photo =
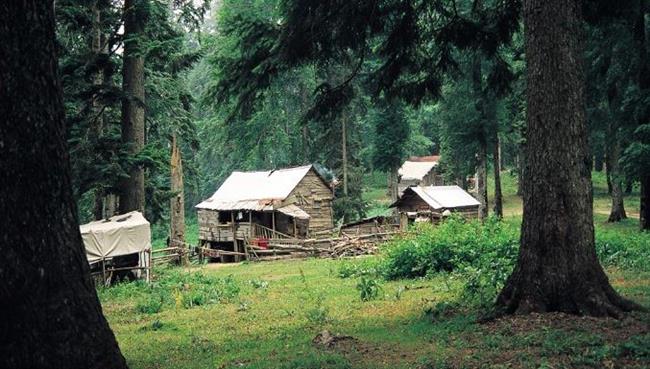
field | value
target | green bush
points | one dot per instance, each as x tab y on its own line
449	247
369	289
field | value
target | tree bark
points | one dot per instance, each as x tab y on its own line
644	209
132	195
481	182
344	151
98	47
498	196
557	267
614	175
177	211
51	316
643	78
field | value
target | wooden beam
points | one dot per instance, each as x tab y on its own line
273	220
234	234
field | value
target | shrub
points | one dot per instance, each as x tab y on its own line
449	247
369	289
319	314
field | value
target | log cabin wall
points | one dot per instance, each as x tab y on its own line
315	197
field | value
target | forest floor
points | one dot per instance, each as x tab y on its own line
282	305
266	315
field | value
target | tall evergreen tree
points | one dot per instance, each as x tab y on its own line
557	268
52	317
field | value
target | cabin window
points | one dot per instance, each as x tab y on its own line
224	217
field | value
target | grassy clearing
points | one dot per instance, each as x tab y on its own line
280	306
265	315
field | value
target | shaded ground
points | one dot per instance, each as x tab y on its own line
273	324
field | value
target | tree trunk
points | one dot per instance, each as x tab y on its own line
97	130
51	316
177	211
644	209
557	268
481	182
598	162
132	189
643	78
344	151
498	196
520	173
614	175
392	184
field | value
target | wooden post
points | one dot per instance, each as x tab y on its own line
295	228
234	234
273	219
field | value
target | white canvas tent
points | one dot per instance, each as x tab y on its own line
118	236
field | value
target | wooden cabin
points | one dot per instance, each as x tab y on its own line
249	207
419	171
432	203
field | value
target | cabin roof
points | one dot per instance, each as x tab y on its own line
418	167
441	197
256	190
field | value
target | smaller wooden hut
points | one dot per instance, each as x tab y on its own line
419	171
431	203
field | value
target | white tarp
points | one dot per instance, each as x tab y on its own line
120	235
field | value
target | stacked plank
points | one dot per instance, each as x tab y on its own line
337	247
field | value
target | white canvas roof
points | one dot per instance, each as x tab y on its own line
444	197
416	170
255	190
119	235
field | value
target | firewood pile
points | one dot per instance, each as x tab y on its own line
345	246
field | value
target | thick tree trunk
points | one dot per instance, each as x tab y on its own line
132	189
557	267
614	175
177	211
51	316
481	182
498	196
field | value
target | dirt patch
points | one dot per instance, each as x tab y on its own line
370	354
554	340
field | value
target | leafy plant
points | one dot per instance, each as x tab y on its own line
369	289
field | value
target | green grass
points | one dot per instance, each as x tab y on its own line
273	326
265	315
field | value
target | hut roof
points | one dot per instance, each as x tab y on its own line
441	197
255	190
418	167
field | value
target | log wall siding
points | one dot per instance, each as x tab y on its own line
315	197
311	194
